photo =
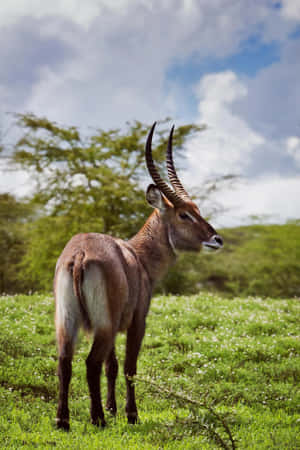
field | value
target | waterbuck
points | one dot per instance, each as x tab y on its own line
104	284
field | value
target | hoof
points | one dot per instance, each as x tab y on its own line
132	418
62	424
97	424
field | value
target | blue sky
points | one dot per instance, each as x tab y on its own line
231	64
252	57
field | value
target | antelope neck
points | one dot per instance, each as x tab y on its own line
154	246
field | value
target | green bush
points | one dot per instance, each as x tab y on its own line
256	260
268	262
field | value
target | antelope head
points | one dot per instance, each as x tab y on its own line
187	229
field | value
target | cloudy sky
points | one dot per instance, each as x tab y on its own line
231	64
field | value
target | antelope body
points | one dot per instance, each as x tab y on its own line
104	284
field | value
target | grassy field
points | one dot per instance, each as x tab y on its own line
213	373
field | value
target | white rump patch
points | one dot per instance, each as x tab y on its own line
94	290
67	316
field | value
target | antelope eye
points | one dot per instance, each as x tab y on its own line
184	216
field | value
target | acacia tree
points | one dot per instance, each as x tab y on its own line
84	182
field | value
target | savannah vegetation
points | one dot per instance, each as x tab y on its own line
218	369
213	373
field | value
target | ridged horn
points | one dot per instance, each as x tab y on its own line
173	177
160	183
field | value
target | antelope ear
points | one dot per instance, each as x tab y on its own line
155	198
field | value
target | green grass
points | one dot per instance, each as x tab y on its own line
206	361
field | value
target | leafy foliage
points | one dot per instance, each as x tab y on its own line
97	175
14	216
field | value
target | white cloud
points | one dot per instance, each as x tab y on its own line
272	105
226	146
275	199
291	9
230	145
293	148
18	183
80	12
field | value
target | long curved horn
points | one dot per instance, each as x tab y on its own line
160	183
173	177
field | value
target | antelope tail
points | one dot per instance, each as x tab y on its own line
78	273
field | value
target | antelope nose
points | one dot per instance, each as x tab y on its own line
216	240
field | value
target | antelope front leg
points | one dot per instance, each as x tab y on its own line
135	336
